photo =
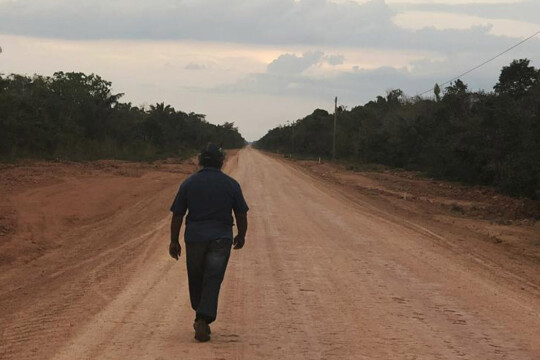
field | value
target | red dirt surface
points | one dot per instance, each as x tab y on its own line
474	201
483	211
41	202
337	265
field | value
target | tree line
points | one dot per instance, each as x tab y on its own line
74	116
489	138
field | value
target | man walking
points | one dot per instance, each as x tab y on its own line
210	197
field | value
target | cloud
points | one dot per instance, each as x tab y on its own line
359	85
335	59
288	64
194	66
292	64
352	87
273	22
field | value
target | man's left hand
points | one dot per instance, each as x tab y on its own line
238	242
175	250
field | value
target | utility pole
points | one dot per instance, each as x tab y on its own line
292	139
335	123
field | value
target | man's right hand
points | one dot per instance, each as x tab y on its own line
238	242
175	250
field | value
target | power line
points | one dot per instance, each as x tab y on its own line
484	63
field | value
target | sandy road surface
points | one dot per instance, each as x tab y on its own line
321	277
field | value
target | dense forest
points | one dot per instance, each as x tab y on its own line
489	138
74	116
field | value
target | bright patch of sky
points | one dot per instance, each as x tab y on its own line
499	27
452	2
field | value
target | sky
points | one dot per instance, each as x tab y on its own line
262	63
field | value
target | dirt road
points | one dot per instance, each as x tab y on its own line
322	276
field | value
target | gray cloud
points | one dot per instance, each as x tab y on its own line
292	64
354	87
278	22
285	77
288	64
335	59
358	86
194	66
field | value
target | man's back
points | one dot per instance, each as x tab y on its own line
209	196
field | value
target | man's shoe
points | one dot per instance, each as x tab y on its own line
202	330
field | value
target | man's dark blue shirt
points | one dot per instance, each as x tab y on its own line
209	196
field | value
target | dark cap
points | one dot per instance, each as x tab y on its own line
211	152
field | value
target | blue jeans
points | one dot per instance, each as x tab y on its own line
206	265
